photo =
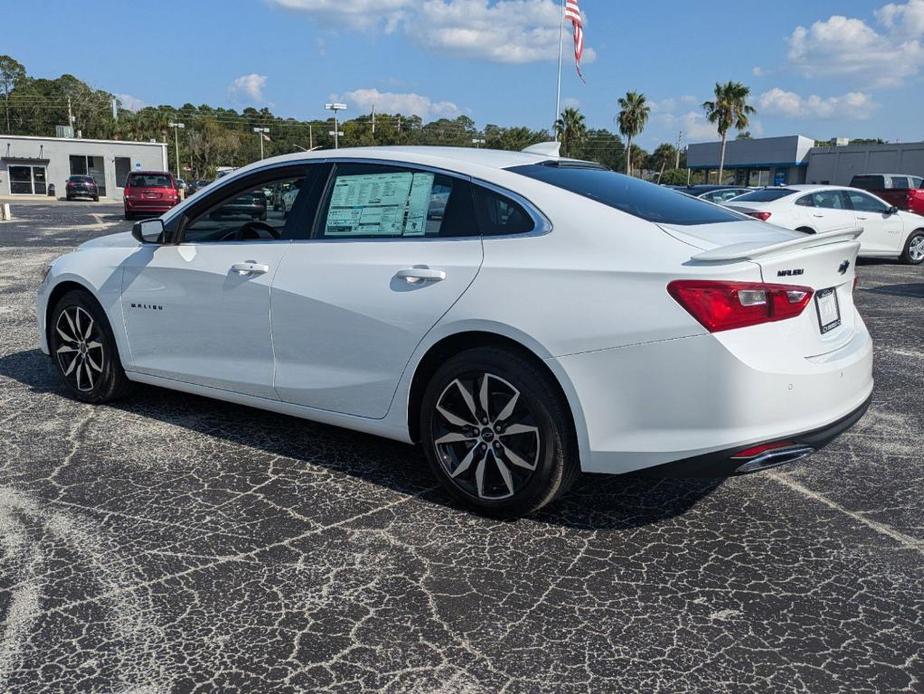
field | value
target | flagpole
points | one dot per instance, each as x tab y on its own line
561	32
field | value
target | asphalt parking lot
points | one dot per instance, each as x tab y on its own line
173	543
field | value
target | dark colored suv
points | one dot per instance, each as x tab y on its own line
149	193
904	191
81	187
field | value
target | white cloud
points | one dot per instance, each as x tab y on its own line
758	71
506	31
853	105
248	87
358	14
392	102
694	125
848	46
129	102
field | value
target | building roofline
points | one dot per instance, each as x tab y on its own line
83	139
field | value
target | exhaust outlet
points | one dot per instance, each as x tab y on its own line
769	459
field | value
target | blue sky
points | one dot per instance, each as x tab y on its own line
821	68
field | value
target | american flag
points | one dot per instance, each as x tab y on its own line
573	15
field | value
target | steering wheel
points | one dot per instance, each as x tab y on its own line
252	230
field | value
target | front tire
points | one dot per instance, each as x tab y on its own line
496	433
913	254
84	350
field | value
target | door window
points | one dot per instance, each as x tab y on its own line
806	201
123	167
900	182
830	199
27	180
370	201
267	209
862	202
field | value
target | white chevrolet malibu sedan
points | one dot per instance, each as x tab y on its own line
887	231
523	317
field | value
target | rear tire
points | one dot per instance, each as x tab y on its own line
497	434
84	351
913	254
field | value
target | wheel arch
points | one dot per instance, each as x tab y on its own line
450	345
58	291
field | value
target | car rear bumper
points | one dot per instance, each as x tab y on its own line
726	463
144	206
690	401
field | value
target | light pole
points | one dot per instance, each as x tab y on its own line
261	133
176	141
336	133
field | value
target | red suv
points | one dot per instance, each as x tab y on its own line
150	193
902	190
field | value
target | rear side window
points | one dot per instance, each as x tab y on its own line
900	182
766	195
831	200
369	201
630	195
806	201
868	182
137	180
498	215
917	182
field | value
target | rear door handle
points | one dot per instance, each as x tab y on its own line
249	267
863	218
817	215
420	273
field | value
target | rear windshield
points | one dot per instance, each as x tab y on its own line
150	181
630	195
81	179
868	182
766	195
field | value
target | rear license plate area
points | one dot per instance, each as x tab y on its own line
828	309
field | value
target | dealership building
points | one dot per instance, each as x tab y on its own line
795	159
29	166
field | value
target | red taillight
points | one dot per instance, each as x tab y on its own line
762	216
722	306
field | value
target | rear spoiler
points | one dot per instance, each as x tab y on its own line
750	251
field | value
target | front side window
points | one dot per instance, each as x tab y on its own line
866	203
268	209
830	199
371	201
630	195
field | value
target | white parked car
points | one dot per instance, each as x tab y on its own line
522	316
887	231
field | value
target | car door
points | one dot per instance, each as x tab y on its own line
882	230
830	210
198	310
394	247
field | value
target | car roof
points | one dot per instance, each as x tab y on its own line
466	160
152	173
887	174
815	186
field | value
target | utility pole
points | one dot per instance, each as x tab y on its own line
261	134
336	132
373	121
176	141
310	138
115	109
70	113
679	147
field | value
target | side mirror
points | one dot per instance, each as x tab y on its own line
149	231
892	210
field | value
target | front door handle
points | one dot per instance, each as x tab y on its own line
420	273
863	218
249	267
817	215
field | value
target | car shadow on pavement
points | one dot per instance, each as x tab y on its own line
596	502
914	290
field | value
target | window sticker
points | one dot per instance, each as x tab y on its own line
392	204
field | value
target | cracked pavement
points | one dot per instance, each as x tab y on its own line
173	543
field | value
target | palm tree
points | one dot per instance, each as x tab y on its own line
633	114
730	109
570	129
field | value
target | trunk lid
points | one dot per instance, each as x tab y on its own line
824	262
